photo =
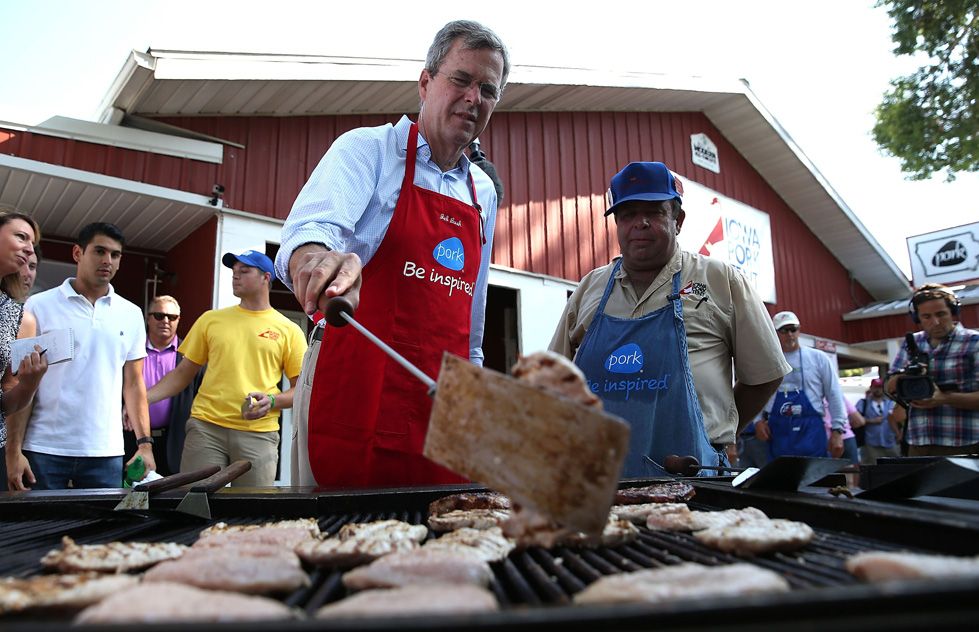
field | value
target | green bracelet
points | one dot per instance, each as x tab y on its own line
271	399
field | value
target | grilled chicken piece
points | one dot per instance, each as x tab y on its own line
672	492
639	514
754	537
880	566
61	591
682	581
556	374
489	545
700	520
360	543
286	533
467	501
176	602
114	557
225	568
472	518
421	566
410	600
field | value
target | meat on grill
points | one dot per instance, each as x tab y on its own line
421	566
227	568
61	591
639	514
359	543
286	533
471	518
489	545
410	600
556	374
467	501
880	566
531	529
672	492
754	537
616	532
114	557
688	580
166	602
700	520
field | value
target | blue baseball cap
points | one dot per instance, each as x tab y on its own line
648	181
251	258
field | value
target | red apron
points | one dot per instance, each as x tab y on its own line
368	416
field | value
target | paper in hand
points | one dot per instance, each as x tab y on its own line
58	344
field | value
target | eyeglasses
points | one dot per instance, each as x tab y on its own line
162	315
788	329
462	81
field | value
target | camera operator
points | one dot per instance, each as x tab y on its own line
948	354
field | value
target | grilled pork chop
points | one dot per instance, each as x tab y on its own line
409	600
672	492
421	566
556	374
700	520
639	514
753	537
61	591
114	557
176	602
489	545
359	543
286	533
467	501
226	568
472	518
682	581
532	529
879	566
616	532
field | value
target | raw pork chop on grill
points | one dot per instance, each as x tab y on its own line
880	566
753	537
682	581
61	591
700	520
286	533
166	602
363	542
672	492
228	568
421	566
489	545
411	600
114	557
468	501
556	374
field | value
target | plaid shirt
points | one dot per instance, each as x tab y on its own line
954	361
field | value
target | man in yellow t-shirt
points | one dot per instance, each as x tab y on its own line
246	348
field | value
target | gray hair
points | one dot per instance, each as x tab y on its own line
474	36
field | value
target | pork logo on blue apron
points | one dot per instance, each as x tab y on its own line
626	359
450	254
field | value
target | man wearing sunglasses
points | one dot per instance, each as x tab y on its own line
794	416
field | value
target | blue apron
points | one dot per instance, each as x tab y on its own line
797	428
640	370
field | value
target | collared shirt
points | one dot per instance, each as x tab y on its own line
724	317
881	435
954	361
821	382
158	363
349	200
78	406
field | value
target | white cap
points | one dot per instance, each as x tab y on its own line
782	319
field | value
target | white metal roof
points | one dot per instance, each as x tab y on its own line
188	83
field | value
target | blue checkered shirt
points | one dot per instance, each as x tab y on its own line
349	200
954	361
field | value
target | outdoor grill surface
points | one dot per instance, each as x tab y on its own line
535	586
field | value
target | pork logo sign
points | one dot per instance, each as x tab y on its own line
947	256
626	359
450	254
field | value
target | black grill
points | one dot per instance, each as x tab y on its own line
535	586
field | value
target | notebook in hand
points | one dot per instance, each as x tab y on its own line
58	346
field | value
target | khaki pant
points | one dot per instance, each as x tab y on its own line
210	444
302	473
870	453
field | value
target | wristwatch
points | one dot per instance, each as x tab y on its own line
144	440
838	430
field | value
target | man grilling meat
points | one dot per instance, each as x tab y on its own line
398	220
656	330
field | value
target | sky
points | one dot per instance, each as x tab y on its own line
820	68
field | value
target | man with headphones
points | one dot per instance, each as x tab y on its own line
947	422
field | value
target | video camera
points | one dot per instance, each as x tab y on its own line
913	381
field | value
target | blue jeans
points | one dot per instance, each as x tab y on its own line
85	472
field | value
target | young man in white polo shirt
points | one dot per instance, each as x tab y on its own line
73	431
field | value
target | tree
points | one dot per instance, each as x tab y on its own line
930	119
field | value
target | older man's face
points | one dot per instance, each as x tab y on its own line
788	337
647	234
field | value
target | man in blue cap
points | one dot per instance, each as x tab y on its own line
247	348
658	331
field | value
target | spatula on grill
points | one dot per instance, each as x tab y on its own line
548	454
138	498
196	503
